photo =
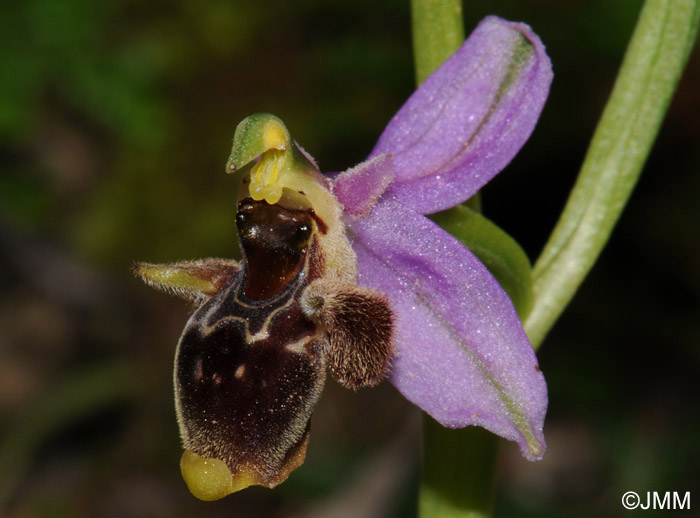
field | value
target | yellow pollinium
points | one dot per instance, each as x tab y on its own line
267	177
210	479
278	168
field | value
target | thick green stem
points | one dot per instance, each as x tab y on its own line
651	68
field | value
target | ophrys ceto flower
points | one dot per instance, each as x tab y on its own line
346	272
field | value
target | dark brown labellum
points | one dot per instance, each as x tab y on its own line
251	362
249	366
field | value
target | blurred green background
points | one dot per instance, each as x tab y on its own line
116	119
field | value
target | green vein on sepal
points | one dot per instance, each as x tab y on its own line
515	415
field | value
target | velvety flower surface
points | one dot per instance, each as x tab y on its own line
461	352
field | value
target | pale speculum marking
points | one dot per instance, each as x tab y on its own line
298	347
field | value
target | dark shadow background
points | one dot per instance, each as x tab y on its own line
116	119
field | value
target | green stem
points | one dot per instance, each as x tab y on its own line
651	69
438	31
458	472
458	467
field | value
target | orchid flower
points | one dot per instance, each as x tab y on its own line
462	355
346	272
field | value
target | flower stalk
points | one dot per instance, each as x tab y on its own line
652	66
438	31
456	461
458	467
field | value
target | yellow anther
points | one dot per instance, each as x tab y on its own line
275	135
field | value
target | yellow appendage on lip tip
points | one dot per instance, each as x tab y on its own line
210	479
